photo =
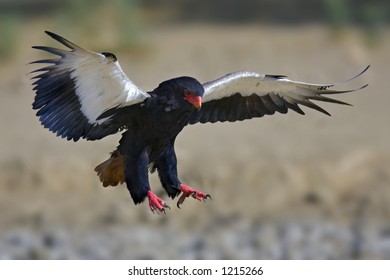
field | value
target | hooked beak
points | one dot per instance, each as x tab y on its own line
195	100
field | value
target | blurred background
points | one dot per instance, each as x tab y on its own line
283	187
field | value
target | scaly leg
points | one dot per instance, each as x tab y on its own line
156	203
187	191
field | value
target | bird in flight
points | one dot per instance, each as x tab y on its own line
85	94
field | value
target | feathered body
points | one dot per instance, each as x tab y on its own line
84	94
152	127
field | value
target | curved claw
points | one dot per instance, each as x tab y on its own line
187	191
206	197
156	203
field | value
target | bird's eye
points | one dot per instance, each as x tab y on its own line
187	92
188	95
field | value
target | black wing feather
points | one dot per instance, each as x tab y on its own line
250	98
69	100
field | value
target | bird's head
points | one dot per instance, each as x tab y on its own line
193	98
186	88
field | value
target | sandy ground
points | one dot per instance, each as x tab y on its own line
285	186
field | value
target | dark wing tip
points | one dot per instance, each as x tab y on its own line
62	40
50	50
365	69
51	34
358	75
57	37
55	51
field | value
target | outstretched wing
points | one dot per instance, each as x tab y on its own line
77	87
245	95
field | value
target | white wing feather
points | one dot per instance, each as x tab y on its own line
100	81
248	83
78	87
245	95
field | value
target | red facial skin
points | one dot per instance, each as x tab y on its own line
158	205
195	100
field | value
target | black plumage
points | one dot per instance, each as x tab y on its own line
83	94
151	133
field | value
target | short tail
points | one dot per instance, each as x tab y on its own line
112	171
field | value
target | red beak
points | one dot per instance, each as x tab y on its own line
195	100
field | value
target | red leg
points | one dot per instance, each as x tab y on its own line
156	203
187	191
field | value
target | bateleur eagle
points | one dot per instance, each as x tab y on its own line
84	94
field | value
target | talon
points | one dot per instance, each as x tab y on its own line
181	200
156	204
187	191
